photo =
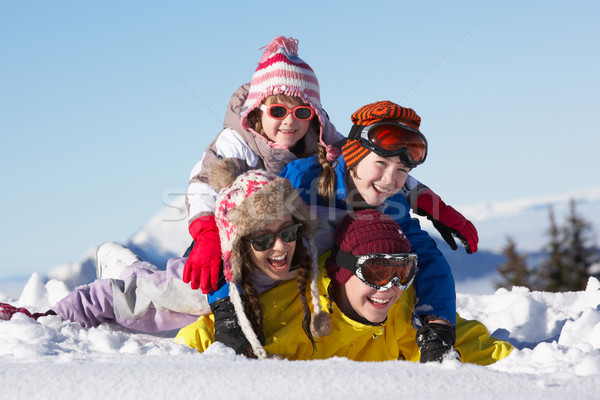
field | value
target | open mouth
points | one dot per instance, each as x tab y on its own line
381	189
278	263
378	302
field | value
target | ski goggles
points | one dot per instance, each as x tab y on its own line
390	139
267	240
381	271
279	111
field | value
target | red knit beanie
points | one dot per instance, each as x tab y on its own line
365	232
370	114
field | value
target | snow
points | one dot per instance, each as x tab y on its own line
557	354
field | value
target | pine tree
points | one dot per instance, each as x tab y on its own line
571	254
514	271
581	252
553	273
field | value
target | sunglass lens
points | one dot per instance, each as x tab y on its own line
290	233
303	113
278	112
263	242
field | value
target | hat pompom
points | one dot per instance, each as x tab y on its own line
223	174
320	324
289	44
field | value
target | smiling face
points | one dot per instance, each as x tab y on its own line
287	131
363	303
276	261
377	178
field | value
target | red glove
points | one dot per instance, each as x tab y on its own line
7	311
203	264
447	221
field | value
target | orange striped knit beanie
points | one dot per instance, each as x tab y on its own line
370	114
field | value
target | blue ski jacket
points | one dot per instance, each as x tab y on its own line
434	284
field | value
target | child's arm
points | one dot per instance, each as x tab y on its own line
449	222
434	284
203	264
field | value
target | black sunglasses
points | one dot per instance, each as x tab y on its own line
267	240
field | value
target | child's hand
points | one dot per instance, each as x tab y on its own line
203	264
436	341
447	221
468	237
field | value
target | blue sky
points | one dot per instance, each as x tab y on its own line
106	106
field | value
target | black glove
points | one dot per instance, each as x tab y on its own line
436	341
227	328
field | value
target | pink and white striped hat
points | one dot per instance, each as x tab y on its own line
281	71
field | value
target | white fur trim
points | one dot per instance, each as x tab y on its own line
245	324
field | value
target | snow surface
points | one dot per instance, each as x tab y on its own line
557	339
557	335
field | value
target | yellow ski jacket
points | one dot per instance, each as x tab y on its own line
391	340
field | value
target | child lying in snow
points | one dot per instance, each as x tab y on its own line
366	288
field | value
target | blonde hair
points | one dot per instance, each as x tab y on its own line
326	183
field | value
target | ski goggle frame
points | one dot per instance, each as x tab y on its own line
380	271
280	111
390	139
267	240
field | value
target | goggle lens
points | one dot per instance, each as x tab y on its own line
393	138
280	111
380	272
266	241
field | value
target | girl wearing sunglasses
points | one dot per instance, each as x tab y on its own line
275	119
383	146
365	285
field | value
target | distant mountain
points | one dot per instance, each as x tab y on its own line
525	220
